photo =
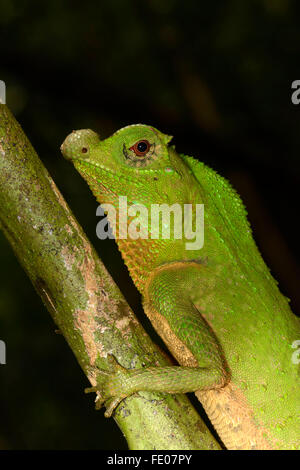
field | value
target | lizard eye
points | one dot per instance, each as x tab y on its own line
140	148
84	150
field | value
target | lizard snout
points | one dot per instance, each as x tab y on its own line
77	144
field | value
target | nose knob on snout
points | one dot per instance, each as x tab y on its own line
77	144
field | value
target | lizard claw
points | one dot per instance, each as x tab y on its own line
111	406
105	393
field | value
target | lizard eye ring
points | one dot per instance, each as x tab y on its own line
141	148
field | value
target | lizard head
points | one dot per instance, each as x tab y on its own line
135	162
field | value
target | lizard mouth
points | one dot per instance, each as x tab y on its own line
81	165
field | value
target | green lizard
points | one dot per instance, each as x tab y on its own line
217	308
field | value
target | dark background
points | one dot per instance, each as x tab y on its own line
217	76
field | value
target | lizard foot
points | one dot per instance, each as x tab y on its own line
111	387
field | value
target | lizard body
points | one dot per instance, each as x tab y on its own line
217	308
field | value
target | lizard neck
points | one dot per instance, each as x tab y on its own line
144	253
141	258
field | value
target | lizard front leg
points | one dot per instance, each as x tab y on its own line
187	335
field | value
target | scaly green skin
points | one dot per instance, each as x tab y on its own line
218	309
